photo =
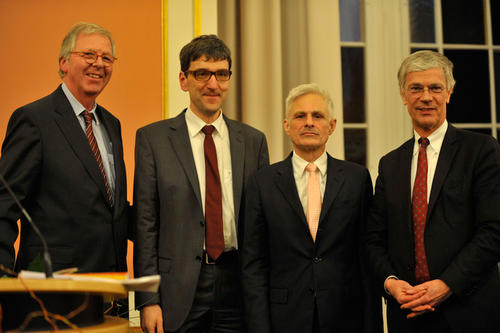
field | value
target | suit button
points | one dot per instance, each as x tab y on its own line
317	259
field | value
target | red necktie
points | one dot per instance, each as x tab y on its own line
95	149
214	235
419	204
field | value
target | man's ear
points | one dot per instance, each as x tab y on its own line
183	81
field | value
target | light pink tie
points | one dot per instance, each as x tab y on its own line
313	199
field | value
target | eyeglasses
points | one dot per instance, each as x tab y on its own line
205	75
419	90
91	57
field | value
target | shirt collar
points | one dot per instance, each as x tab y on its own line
435	139
300	164
195	124
78	108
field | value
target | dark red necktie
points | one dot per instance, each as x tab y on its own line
214	235
419	204
95	149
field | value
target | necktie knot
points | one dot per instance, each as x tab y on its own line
424	142
88	117
311	167
208	129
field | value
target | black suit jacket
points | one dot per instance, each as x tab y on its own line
462	233
168	210
48	162
285	273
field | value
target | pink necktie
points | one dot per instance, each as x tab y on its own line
95	150
419	204
214	234
313	199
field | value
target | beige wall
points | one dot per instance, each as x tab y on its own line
31	32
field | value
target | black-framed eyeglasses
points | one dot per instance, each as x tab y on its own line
205	75
91	57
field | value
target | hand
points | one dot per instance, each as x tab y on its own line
402	291
436	292
152	319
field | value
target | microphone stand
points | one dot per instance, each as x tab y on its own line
46	255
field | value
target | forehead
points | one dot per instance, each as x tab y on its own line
206	63
95	42
429	76
309	102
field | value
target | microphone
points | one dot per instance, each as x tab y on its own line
47	262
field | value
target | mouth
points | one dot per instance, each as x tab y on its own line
94	75
426	109
309	133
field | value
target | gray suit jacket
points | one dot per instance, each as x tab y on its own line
169	219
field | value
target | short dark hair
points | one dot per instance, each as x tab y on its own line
209	46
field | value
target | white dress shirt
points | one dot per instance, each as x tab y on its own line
222	146
301	176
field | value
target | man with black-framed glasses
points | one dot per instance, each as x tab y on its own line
63	157
190	178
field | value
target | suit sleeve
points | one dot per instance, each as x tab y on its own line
146	219
263	153
20	166
482	252
255	263
376	234
372	310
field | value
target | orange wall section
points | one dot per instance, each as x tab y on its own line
31	33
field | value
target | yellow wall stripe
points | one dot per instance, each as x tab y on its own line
197	17
164	56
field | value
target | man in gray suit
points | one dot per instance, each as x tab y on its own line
190	177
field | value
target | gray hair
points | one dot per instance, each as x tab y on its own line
86	28
423	60
309	88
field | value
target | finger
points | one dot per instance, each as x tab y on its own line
425	307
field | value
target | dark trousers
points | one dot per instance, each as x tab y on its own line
217	305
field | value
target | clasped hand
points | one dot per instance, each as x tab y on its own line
418	299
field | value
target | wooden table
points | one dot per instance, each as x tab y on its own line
61	297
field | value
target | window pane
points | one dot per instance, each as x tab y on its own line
463	22
496	59
470	101
480	130
355	145
495	24
350	20
422	21
353	84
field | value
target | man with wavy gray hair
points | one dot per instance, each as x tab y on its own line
303	269
63	158
433	236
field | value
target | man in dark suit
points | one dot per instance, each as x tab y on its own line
190	178
304	216
433	236
74	189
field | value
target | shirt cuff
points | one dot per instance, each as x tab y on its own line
389	277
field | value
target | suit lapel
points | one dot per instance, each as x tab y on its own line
179	137
286	184
116	143
334	180
237	148
71	129
446	155
403	176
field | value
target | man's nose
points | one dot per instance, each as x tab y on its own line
309	120
426	95
212	82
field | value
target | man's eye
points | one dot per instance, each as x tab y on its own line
201	74
436	89
222	73
89	55
107	58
